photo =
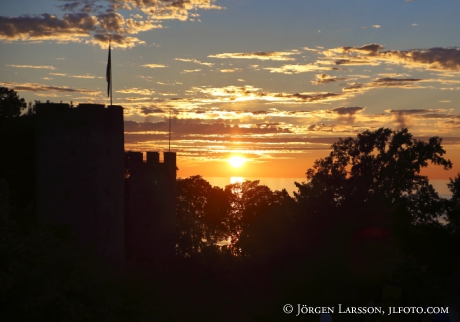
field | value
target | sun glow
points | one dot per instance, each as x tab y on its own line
236	161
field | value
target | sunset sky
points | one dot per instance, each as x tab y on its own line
274	82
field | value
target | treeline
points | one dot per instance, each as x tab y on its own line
365	219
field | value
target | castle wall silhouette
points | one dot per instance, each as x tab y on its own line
80	182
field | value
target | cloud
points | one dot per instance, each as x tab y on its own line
71	27
87	76
245	93
136	90
167	9
395	82
356	62
370	49
32	66
186	71
346	115
137	98
230	70
195	61
403	117
154	65
96	23
189	127
392	75
35	87
296	69
387	82
261	55
376	26
348	110
325	79
441	59
438	59
151	110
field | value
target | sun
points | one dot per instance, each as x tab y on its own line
236	161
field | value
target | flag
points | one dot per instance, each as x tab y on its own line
108	74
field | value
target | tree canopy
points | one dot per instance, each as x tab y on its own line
10	103
378	167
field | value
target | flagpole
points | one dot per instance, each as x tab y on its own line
108	75
111	92
169	150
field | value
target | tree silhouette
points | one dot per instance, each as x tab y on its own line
17	146
367	209
10	103
201	215
383	165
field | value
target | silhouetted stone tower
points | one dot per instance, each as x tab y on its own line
151	207
80	173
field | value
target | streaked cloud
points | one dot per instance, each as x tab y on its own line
394	82
190	127
186	71
230	70
195	61
297	69
154	65
35	87
438	59
87	76
245	93
261	55
135	90
32	66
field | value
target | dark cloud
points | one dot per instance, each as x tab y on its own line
353	87
97	24
348	110
186	127
34	87
371	49
355	62
70	27
438	58
346	115
404	117
313	97
325	79
78	6
433	58
394	82
151	110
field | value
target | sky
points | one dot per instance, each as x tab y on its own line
274	82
